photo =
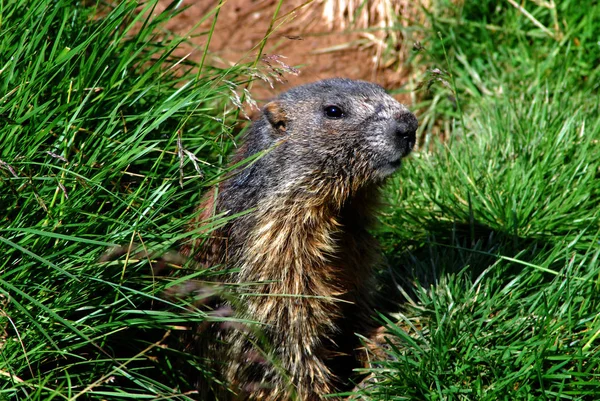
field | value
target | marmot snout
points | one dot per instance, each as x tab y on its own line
328	146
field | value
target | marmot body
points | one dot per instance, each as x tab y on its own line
328	146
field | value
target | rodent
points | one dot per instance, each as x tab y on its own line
328	148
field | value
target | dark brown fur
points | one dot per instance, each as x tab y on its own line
305	242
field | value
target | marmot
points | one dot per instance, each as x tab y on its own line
328	147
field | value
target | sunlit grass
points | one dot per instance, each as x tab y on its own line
107	138
493	228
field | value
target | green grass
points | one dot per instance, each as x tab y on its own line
99	125
492	228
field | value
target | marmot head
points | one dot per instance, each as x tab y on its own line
343	130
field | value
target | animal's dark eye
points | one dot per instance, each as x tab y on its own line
334	112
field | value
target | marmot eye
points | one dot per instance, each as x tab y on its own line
334	112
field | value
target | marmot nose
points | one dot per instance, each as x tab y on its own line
407	125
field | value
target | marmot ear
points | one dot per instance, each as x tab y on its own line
276	116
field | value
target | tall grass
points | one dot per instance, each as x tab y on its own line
107	137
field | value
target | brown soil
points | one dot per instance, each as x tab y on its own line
301	35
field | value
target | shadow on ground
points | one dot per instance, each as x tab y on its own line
447	249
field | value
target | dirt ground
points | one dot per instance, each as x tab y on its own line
301	35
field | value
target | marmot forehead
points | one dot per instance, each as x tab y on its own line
333	86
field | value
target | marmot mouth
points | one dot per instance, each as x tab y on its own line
409	141
404	145
388	167
396	163
393	163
